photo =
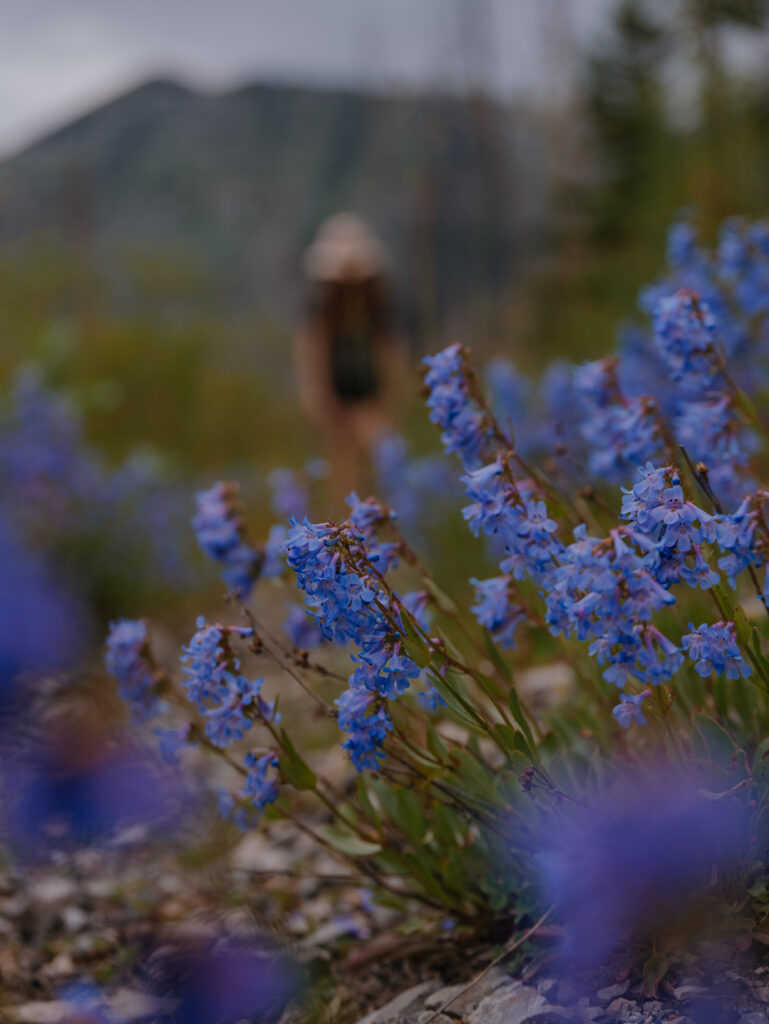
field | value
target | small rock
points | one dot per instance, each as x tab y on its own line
734	976
590	1012
132	835
255	853
127	1005
15	906
510	1004
606	995
100	888
327	934
684	992
398	1006
429	1015
462	1004
442	995
654	1007
756	1017
74	919
622	1010
62	966
39	1012
53	889
762	993
569	992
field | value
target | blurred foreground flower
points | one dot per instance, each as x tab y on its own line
634	862
42	624
65	784
227	982
216	982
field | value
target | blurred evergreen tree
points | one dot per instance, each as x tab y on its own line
626	99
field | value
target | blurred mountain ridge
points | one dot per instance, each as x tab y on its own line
237	183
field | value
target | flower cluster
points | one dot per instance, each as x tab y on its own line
684	335
351	605
412	485
674	530
466	428
620	432
213	681
496	611
127	658
367	727
85	518
218	524
670	528
300	629
602	591
260	786
715	649
514	512
737	537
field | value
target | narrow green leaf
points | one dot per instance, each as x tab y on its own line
654	970
496	656
347	843
416	648
442	599
294	768
720	746
518	715
365	800
436	746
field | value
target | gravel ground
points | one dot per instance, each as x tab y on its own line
119	914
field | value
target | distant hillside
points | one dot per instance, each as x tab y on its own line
241	180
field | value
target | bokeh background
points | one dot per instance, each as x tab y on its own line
164	166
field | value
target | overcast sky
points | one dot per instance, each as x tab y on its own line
60	57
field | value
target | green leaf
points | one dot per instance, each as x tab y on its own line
295	769
496	656
347	843
442	599
654	970
518	715
447	689
436	746
411	816
724	602
365	800
762	664
416	648
478	780
719	744
761	774
721	697
707	795
507	737
453	872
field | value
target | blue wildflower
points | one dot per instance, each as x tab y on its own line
220	530
260	787
300	629
684	335
714	649
629	709
215	685
128	659
496	611
367	731
465	427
